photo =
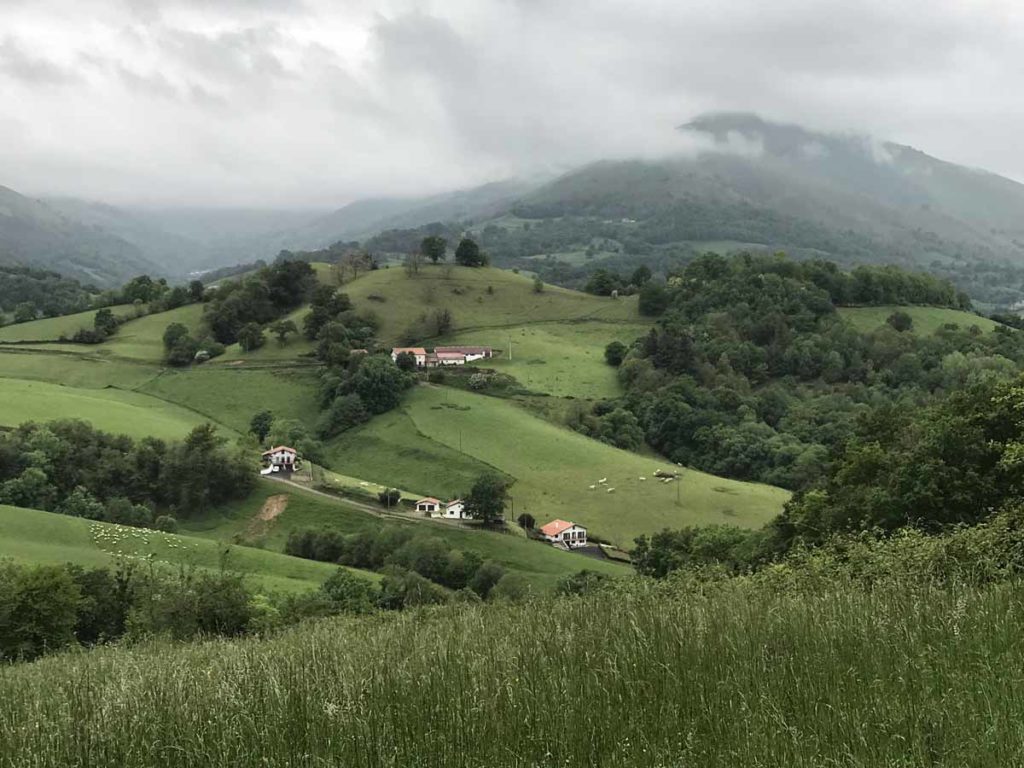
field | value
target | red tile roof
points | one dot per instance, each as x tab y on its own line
429	500
411	350
279	448
555	527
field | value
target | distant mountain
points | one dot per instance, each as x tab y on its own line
364	218
783	187
35	234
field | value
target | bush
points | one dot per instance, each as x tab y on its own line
389	497
615	353
166	523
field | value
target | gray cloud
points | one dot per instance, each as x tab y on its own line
317	102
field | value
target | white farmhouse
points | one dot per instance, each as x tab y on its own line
563	533
429	506
281	458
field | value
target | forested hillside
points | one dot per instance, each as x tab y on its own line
754	372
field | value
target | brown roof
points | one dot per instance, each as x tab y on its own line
412	350
555	527
279	448
450	355
429	500
463	350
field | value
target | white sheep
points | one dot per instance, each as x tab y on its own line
642	477
603	480
611	490
593	487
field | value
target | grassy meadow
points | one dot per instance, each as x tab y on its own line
112	410
399	300
554	468
52	328
640	677
31	536
927	320
560	359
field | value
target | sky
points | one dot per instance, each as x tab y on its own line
313	103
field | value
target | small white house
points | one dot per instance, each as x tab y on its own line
564	533
429	506
418	352
455	510
281	458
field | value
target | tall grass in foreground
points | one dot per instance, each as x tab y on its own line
641	677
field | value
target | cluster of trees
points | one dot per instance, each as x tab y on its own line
395	549
104	325
270	430
257	300
350	394
44	609
751	373
605	282
28	293
181	348
73	469
336	327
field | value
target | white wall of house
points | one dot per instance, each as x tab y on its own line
428	507
576	536
281	457
455	511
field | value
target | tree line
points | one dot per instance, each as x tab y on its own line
71	468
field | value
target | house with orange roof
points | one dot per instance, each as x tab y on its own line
563	533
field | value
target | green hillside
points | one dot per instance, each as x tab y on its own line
541	565
927	320
561	359
29	535
399	300
52	328
111	410
554	468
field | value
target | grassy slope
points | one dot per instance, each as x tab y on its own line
640	678
927	320
561	359
52	328
554	468
112	410
231	396
540	564
142	339
512	303
43	537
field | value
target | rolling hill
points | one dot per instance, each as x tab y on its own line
557	471
29	535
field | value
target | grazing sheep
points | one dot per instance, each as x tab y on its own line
593	487
643	478
603	480
611	490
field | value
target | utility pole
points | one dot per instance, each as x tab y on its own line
510	349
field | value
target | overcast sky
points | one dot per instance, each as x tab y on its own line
316	102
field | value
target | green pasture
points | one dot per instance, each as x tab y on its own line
927	320
561	359
32	536
52	328
554	468
111	410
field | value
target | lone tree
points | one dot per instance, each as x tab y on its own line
468	254
486	501
614	353
261	424
282	328
434	248
900	320
251	337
